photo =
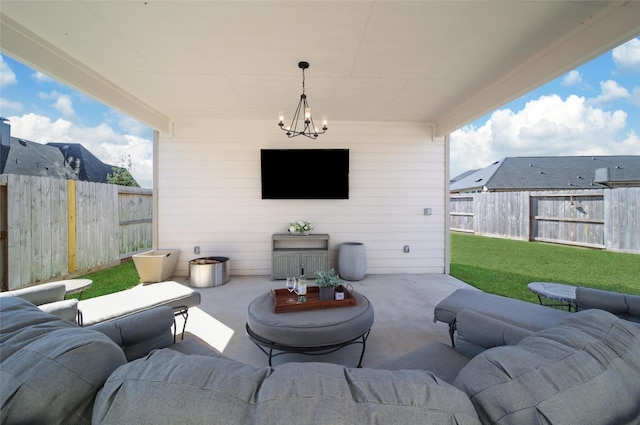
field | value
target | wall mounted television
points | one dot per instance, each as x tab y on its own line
305	173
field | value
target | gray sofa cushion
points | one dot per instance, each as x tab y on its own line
49	297
140	333
197	389
39	294
478	332
50	369
625	306
586	370
434	356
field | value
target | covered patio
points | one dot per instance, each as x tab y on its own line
403	305
394	78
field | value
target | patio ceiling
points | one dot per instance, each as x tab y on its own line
439	62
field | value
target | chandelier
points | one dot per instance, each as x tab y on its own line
307	127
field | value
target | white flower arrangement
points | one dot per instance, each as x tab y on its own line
300	227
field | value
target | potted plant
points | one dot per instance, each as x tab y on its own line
327	281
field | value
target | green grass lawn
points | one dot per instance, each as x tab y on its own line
110	280
504	266
497	266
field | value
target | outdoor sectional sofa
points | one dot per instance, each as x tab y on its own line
584	369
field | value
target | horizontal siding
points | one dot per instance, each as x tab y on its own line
209	195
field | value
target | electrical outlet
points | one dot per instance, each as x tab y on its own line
427	211
406	248
196	250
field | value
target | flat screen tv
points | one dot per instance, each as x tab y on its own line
305	173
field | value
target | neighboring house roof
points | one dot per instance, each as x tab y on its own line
87	166
33	159
552	173
60	160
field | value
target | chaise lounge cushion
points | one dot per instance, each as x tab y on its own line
213	390
560	375
50	369
132	301
532	317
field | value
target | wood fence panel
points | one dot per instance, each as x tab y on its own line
574	217
135	212
598	218
502	214
461	213
622	219
37	226
97	224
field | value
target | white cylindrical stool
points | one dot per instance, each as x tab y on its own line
352	261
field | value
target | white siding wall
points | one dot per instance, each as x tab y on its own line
209	194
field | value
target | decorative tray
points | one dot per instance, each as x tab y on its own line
285	301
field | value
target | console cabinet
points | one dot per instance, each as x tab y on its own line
291	253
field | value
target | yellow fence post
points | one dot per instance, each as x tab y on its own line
71	212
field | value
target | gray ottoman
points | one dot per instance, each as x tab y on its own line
308	332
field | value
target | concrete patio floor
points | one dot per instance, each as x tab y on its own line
403	306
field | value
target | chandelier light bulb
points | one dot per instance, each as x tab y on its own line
307	114
281	117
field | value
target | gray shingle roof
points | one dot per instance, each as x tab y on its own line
33	159
552	173
59	160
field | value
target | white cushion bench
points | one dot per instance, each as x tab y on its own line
139	298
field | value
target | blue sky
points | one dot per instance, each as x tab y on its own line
42	110
592	110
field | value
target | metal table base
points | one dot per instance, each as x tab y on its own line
268	347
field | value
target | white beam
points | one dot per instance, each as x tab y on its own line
32	50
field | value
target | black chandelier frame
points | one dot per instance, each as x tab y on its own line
307	128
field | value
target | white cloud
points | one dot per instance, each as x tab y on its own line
611	91
572	78
41	78
627	56
545	126
131	126
102	141
635	96
7	76
52	95
6	104
64	105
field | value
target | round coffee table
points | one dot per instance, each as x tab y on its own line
73	286
563	293
311	332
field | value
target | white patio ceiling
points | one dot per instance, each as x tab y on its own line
439	62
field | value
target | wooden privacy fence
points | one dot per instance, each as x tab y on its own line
53	228
599	218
